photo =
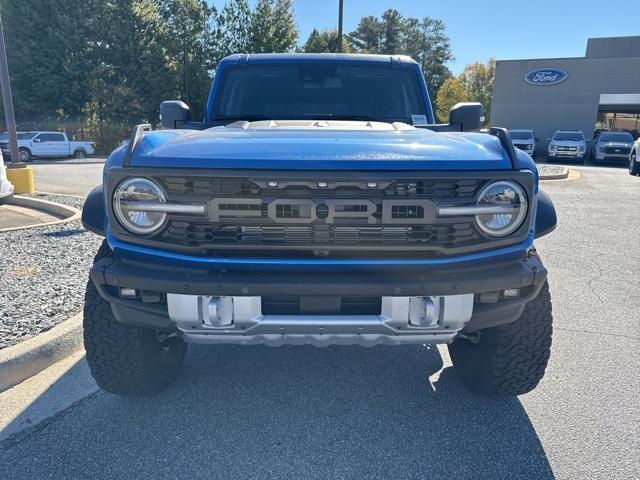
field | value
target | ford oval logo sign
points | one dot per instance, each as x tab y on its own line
546	76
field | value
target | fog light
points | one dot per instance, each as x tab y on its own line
424	311
216	311
128	292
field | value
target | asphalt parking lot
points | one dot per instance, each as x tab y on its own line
392	412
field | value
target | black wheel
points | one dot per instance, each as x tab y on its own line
510	359
127	360
25	155
634	166
80	154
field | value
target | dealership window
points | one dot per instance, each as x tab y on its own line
625	121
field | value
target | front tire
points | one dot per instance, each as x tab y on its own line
127	360
25	155
508	360
634	166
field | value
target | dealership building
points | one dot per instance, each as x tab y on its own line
598	91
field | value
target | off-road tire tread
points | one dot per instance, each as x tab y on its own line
510	359
118	355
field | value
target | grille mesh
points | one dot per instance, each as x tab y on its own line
249	225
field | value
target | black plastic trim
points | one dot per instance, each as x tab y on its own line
546	218
505	140
454	281
94	213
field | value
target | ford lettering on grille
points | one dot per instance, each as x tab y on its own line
305	211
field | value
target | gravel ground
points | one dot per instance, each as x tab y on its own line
42	282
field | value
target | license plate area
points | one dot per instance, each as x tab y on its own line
321	305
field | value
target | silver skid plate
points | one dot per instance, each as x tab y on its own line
239	320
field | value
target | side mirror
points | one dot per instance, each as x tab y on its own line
536	139
174	114
548	139
467	117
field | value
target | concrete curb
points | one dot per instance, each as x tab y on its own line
554	176
68	213
26	359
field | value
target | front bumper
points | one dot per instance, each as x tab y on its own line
161	287
566	155
607	157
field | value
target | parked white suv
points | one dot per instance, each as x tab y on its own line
524	139
567	145
48	144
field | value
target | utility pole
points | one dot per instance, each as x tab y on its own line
7	101
340	10
18	173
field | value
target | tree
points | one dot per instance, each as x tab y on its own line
428	44
477	79
323	41
50	54
366	38
188	22
393	29
451	92
231	29
272	27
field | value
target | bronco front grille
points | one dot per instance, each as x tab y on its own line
324	214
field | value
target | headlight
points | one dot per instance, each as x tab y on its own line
510	204
581	149
139	192
552	147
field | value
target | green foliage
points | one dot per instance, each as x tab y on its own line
477	79
272	27
367	37
323	41
451	92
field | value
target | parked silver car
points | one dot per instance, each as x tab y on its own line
612	146
524	139
567	145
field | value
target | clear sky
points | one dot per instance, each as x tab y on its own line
503	29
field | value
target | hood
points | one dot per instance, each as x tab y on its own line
320	145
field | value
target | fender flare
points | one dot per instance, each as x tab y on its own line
546	218
94	214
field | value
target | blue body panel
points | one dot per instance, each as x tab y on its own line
320	149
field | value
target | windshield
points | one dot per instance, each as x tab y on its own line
521	135
26	135
316	90
568	137
616	137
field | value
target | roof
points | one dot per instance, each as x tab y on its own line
316	57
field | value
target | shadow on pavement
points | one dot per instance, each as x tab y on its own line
292	412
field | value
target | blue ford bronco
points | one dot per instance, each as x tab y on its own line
317	202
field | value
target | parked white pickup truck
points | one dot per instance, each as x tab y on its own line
47	144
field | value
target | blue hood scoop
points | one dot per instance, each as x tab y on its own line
320	145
